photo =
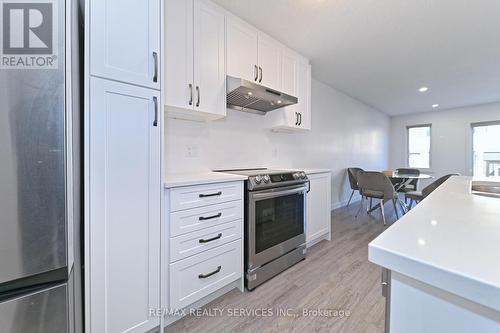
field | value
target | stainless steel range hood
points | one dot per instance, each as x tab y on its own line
248	96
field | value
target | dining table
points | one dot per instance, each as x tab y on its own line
400	181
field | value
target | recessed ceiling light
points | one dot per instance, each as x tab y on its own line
435	106
423	89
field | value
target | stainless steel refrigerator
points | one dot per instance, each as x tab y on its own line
40	176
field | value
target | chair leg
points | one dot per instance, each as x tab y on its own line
403	209
382	209
360	207
369	209
350	198
395	208
411	203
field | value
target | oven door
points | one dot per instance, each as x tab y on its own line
276	223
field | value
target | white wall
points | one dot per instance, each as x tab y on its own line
451	137
345	132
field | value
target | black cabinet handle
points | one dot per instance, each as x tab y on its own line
155	59
191	94
204	276
260	69
202	241
300	118
210	195
256	72
203	218
155	101
198	91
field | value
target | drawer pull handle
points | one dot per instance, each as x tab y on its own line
210	195
204	218
204	276
211	239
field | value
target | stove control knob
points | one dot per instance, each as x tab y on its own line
266	179
296	176
303	175
258	179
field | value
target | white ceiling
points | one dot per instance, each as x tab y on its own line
382	51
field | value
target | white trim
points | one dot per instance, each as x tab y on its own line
86	172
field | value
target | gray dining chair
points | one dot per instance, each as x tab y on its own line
417	196
353	181
375	185
412	186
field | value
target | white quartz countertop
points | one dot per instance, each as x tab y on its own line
313	171
451	240
198	178
308	171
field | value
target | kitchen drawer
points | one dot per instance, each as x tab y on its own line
198	276
203	195
190	220
195	242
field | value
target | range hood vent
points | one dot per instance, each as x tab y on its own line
248	96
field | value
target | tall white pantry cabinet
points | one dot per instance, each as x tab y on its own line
123	131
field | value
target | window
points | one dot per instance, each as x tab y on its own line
486	149
419	146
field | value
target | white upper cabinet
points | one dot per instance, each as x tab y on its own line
179	52
134	59
241	41
289	73
252	55
195	76
124	207
303	107
296	81
209	59
269	62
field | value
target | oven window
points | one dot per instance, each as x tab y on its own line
277	220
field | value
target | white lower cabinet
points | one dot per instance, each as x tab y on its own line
199	241
203	252
124	192
318	225
198	276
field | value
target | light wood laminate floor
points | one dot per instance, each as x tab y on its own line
335	276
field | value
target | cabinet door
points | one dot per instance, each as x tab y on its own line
269	62
124	204
209	59
318	206
241	50
289	86
179	86
304	94
289	74
125	41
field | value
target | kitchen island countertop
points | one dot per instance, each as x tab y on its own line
451	240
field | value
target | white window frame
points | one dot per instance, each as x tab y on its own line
408	144
471	149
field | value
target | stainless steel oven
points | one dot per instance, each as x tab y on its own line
275	223
275	214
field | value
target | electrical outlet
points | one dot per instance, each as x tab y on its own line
191	151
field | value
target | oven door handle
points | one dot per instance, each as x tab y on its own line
280	193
